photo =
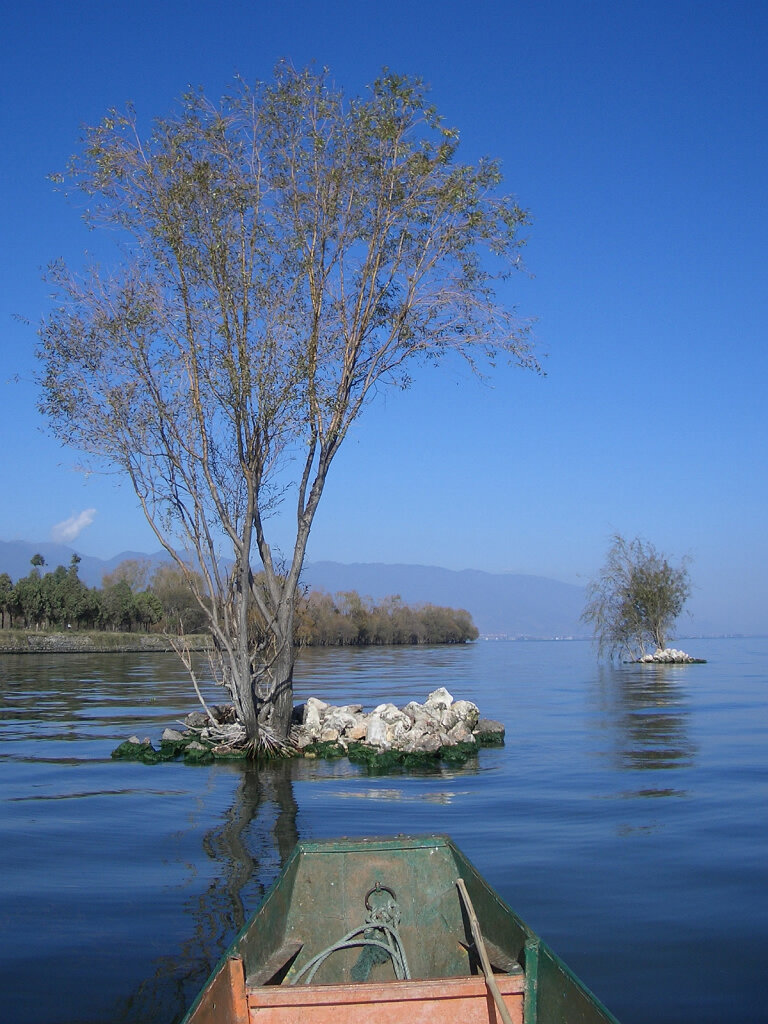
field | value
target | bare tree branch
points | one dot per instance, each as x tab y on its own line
285	253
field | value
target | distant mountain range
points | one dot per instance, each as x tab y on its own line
15	557
501	604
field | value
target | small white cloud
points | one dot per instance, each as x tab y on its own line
66	531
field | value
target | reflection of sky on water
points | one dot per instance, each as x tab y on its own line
573	821
249	842
435	797
644	711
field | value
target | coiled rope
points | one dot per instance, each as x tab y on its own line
379	937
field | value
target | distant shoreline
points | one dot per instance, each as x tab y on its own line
24	641
28	641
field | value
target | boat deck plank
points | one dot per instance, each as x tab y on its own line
423	1001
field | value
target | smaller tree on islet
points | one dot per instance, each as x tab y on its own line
636	599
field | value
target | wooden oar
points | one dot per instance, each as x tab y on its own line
477	935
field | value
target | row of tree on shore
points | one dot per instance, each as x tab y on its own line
138	596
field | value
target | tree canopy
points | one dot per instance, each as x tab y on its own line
636	598
286	252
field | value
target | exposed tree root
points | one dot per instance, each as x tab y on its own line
269	745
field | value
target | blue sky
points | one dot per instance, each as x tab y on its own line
637	135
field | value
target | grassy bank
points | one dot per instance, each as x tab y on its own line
22	641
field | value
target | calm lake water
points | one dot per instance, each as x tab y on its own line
625	820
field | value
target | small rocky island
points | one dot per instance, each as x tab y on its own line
669	656
386	738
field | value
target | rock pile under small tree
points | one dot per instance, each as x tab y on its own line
669	656
418	734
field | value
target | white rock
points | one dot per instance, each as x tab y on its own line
389	712
314	702
460	733
398	729
448	718
339	719
312	718
440	698
376	731
467	711
422	743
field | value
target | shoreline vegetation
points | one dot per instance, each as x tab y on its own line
23	641
155	609
426	625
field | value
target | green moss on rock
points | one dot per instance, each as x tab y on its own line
376	760
196	753
421	761
489	739
131	751
225	753
171	749
458	754
328	750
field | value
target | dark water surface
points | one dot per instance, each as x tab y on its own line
625	820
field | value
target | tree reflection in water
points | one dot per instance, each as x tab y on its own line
250	844
647	709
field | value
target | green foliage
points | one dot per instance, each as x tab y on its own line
118	609
29	601
636	599
6	597
148	608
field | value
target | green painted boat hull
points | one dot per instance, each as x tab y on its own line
324	889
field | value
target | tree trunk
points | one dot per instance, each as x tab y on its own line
264	696
276	682
277	709
247	711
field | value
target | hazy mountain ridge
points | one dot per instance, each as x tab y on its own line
15	557
504	604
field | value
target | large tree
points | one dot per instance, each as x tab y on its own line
6	598
635	599
286	252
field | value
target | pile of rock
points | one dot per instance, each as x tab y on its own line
669	656
426	728
382	739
